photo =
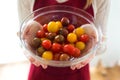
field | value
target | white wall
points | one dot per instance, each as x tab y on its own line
113	43
9	44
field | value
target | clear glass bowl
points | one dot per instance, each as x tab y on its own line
77	17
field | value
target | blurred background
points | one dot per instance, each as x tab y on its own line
112	54
10	51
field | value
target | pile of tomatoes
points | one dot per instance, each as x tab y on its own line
60	40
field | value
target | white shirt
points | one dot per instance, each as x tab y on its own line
100	7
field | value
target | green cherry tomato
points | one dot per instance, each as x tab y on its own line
59	39
40	51
36	42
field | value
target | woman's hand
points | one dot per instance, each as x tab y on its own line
92	32
37	63
28	35
102	46
77	66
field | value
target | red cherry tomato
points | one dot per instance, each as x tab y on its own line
56	56
71	28
40	34
46	44
45	27
77	53
84	38
68	48
56	47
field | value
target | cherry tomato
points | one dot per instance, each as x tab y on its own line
40	34
80	45
52	27
63	32
45	27
70	28
68	48
56	56
71	37
59	39
65	21
59	24
46	44
64	57
84	38
51	36
36	43
56	47
42	39
47	55
77	53
79	31
40	51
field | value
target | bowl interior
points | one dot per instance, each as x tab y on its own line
44	15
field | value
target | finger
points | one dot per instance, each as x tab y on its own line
37	64
44	66
79	66
104	38
24	35
73	67
31	59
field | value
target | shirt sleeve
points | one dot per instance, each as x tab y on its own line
24	8
101	14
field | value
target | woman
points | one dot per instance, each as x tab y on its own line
99	9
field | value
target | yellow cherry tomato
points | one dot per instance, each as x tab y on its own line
47	55
52	27
79	31
80	45
59	24
72	37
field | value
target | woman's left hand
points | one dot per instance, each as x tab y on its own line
77	66
90	30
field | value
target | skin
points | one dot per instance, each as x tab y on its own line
28	35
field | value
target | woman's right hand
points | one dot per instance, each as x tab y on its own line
28	35
37	63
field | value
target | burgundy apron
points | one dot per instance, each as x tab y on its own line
59	73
